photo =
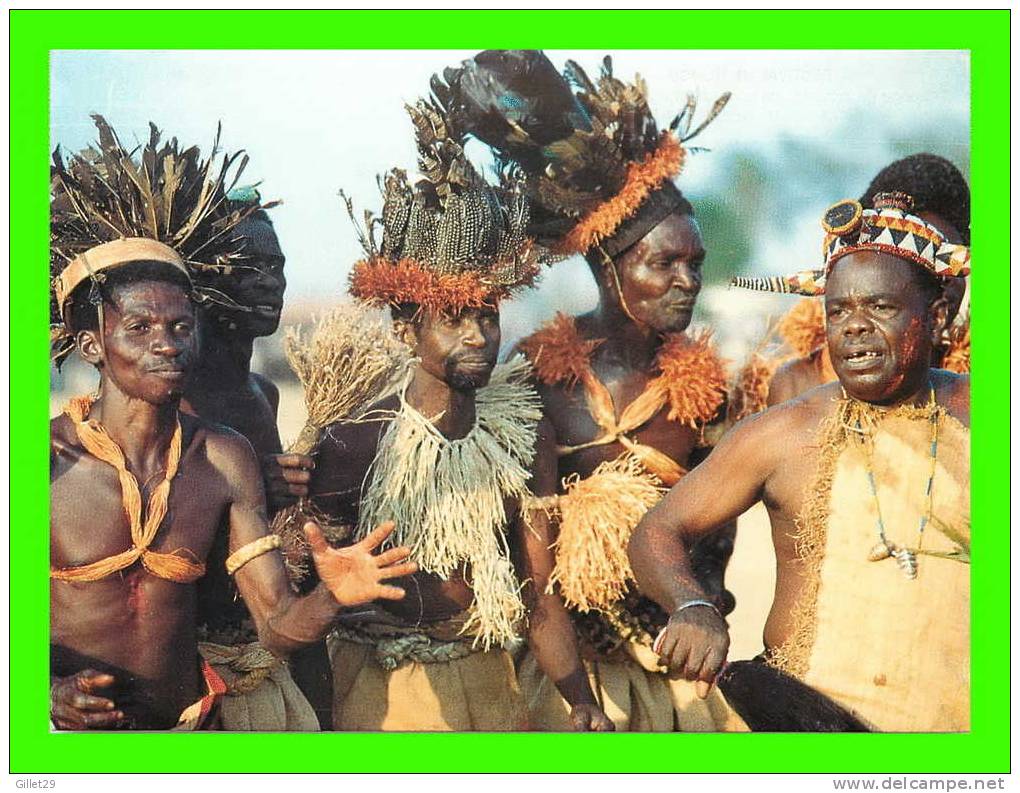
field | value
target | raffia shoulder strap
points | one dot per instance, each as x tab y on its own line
647	405
181	565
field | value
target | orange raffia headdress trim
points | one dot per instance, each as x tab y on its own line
381	282
174	566
642	178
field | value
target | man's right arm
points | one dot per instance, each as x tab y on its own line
729	481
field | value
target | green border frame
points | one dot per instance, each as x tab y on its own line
33	33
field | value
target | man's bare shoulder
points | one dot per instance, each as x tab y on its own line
803	412
345	436
268	389
65	448
225	448
793	378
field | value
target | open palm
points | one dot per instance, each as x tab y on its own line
354	574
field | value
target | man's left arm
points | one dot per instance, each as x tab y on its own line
550	631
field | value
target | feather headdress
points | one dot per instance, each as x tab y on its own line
110	206
449	241
598	168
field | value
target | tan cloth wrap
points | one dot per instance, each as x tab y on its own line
477	692
261	694
632	692
112	254
251	550
893	650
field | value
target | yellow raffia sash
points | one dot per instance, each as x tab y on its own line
894	650
175	566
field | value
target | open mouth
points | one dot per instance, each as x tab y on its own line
475	363
862	359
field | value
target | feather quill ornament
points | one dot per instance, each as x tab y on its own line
578	141
158	190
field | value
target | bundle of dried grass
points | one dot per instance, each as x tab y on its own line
349	361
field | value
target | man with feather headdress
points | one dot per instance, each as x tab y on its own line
139	490
629	394
452	451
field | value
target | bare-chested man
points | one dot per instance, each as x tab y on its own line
866	482
628	394
139	489
245	301
941	197
123	628
455	460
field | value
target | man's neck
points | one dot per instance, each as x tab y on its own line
451	411
917	397
627	342
225	363
142	430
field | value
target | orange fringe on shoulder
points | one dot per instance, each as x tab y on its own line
642	178
558	353
957	358
803	326
751	392
693	376
380	282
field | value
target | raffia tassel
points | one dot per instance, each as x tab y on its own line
350	360
694	377
803	326
597	516
750	393
957	357
289	524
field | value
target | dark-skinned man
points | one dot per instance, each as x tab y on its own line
628	393
455	456
942	198
244	301
138	489
866	482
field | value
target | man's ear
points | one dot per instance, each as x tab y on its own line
939	313
90	347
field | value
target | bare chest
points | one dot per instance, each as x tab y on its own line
88	520
579	426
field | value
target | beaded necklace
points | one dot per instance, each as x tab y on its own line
906	558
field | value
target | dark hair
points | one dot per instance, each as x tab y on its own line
927	283
935	184
84	314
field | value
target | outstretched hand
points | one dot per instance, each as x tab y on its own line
74	706
353	574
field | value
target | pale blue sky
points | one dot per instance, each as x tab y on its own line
316	121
